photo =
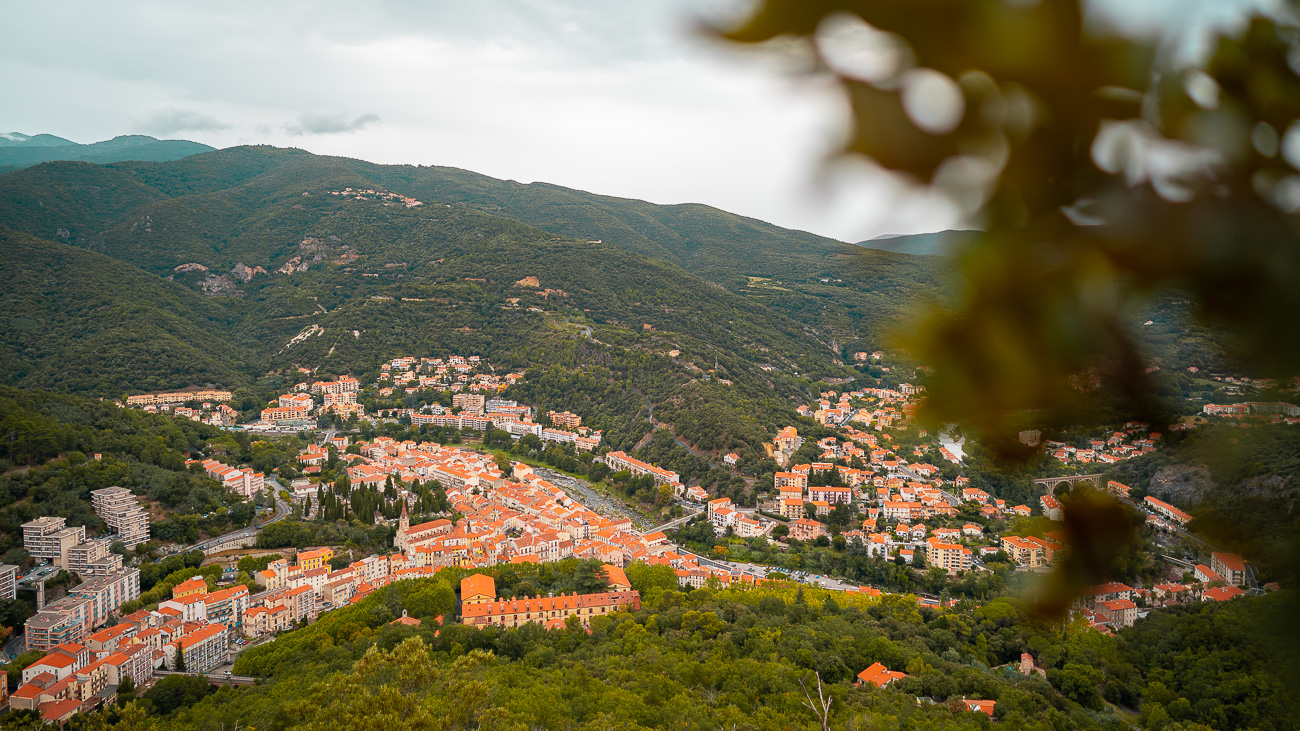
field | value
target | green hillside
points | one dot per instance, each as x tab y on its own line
368	280
942	243
788	272
712	658
620	284
80	321
46	467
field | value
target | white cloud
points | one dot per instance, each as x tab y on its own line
173	120
624	99
317	123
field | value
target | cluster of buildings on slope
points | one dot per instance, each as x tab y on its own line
1112	606
876	408
74	677
208	405
456	373
520	517
880	408
367	194
474	412
618	461
1131	441
726	516
243	481
297	409
190	632
105	586
897	498
179	397
1271	411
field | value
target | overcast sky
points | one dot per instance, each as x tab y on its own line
615	97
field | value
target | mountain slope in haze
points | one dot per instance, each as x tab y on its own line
940	243
18	139
18	151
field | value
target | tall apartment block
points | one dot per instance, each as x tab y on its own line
50	538
118	507
8	581
87	605
92	558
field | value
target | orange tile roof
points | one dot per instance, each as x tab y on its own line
478	585
879	675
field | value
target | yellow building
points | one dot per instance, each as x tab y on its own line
315	559
190	587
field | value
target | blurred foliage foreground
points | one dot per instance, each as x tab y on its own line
1103	168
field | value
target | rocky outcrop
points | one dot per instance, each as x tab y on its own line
244	273
530	282
219	285
1183	484
191	267
293	266
313	250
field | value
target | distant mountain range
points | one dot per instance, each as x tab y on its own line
941	243
19	151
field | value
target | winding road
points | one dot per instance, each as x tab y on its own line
281	512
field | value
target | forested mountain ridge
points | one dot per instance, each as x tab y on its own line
19	151
298	275
82	321
790	272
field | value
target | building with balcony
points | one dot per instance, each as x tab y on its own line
120	510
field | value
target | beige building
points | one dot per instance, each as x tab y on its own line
480	610
119	508
949	556
474	402
1023	552
49	538
8	581
1230	566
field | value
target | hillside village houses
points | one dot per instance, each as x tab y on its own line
520	517
208	406
1131	441
245	482
179	397
191	631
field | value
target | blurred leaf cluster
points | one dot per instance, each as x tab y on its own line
1101	169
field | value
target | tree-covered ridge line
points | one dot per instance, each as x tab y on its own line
455	267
